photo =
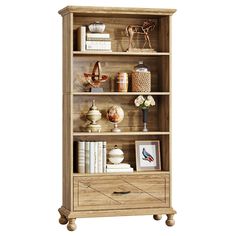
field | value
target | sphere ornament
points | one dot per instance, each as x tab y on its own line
115	114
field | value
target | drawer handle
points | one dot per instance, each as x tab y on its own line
122	192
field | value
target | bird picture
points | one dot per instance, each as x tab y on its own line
147	156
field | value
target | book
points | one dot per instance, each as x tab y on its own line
95	157
87	168
98	35
97	39
91	157
104	155
118	166
100	158
81	157
98	45
75	157
120	170
81	35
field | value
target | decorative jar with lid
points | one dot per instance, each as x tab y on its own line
116	155
141	78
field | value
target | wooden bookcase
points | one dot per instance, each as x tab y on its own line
150	191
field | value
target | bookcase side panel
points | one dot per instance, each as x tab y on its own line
67	152
67	37
67	110
170	106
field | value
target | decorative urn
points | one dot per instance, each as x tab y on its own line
116	155
93	115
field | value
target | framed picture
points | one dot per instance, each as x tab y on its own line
148	155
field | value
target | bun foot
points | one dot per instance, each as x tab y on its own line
170	220
71	225
63	220
157	217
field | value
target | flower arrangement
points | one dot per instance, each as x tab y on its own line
144	102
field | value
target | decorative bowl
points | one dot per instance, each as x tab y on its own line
96	27
116	155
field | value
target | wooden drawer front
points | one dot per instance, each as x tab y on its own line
120	192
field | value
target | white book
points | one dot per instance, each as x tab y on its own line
91	157
97	47
118	166
81	156
98	39
99	43
98	35
87	167
104	155
81	34
95	157
100	159
120	170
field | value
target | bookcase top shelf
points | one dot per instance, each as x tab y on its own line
116	11
89	53
120	93
118	133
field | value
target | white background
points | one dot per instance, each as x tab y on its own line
204	119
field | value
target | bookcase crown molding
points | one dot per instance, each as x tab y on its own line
129	11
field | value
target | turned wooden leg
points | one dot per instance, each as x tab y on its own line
170	220
62	220
157	217
71	224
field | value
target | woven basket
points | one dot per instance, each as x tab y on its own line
141	81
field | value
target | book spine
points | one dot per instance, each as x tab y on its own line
100	36
81	34
87	167
91	156
100	158
75	157
95	157
118	166
120	170
104	155
99	43
81	154
98	47
98	39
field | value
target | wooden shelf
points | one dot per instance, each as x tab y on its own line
119	133
89	53
122	173
120	94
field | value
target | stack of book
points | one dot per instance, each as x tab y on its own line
90	156
93	41
122	167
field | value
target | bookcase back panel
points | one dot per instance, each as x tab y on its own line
127	144
116	27
111	65
158	115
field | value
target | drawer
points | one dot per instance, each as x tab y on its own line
121	191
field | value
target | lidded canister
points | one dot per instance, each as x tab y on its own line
122	82
141	78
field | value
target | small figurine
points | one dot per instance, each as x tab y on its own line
95	80
144	29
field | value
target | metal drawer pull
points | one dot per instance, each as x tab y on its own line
122	192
